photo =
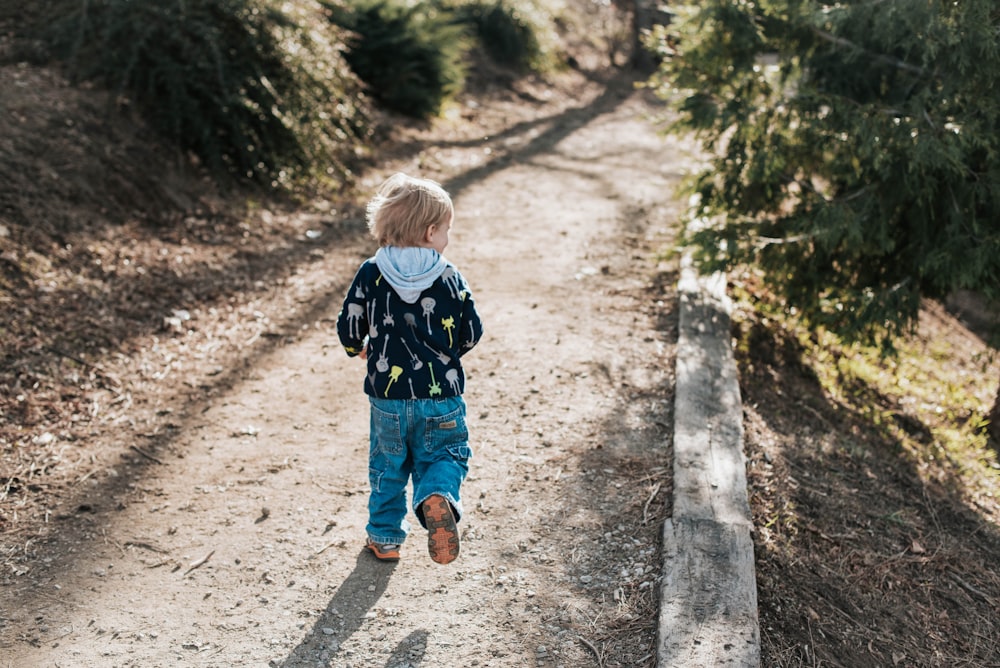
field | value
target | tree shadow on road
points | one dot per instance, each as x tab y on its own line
206	279
215	281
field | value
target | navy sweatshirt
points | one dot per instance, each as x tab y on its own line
414	349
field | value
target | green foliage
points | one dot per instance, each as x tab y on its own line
409	56
856	148
252	90
510	35
927	398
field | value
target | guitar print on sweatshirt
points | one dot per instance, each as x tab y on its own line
402	341
450	278
449	324
372	329
394	375
428	305
383	362
388	320
452	377
472	337
440	355
414	360
435	387
354	314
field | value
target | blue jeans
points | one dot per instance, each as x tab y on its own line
423	439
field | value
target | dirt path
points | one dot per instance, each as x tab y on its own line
241	545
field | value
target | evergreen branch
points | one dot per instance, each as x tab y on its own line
854	195
898	287
810	187
927	117
764	242
889	60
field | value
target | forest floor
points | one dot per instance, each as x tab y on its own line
184	444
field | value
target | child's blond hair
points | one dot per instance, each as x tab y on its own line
404	207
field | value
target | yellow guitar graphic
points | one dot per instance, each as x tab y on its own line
394	375
435	388
449	324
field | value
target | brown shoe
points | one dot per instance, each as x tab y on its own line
383	552
442	536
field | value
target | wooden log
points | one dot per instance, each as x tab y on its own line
708	597
708	604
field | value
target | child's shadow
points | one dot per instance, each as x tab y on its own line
345	612
410	651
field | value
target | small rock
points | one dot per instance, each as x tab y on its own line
44	439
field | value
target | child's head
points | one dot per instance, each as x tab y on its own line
405	209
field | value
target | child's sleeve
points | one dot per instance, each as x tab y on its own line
352	321
472	326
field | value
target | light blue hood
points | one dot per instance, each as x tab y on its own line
410	270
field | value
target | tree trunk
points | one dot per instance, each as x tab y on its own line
641	59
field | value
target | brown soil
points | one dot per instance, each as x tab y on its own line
872	549
184	443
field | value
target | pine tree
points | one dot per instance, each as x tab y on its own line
856	149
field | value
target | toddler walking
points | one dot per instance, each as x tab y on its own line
410	314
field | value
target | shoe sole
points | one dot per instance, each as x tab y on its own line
442	530
382	556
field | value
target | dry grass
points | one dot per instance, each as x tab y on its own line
875	493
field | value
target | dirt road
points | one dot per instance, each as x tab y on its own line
240	543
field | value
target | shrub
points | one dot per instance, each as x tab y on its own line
251	90
854	150
410	57
510	36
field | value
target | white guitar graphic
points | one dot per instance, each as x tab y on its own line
372	330
414	360
383	362
452	378
441	356
354	313
428	304
472	336
388	320
450	279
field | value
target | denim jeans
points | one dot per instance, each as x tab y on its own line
423	439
